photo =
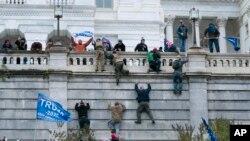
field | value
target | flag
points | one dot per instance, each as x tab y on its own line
234	41
50	110
209	131
84	36
106	40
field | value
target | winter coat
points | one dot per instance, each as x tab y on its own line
182	32
119	47
212	32
141	47
143	95
117	111
82	110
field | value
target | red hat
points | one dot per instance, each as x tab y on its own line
155	49
114	136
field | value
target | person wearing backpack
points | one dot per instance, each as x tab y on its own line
178	75
182	31
153	58
213	36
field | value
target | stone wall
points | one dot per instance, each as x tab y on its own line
214	86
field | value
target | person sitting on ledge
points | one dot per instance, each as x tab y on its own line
170	46
154	60
7	45
21	44
36	47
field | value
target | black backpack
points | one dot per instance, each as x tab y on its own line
176	64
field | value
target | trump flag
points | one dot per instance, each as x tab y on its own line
234	41
50	110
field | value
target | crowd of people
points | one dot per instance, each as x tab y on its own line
211	33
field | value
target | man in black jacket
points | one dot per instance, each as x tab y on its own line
82	110
119	46
141	47
143	100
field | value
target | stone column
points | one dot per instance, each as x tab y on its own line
169	27
58	81
221	21
197	86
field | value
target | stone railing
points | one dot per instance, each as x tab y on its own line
13	1
24	60
134	62
228	63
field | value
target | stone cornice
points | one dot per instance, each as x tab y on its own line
69	11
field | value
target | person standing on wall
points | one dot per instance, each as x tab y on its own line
141	47
120	46
182	31
213	35
100	54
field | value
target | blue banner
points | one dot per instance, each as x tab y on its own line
234	41
50	110
209	131
84	34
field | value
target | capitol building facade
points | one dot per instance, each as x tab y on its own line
129	20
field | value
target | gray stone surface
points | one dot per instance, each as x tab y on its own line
206	94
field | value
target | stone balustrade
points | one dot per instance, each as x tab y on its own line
22	60
134	62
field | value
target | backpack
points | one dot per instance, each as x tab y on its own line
150	56
176	64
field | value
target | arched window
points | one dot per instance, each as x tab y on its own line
11	60
91	61
77	61
84	61
31	60
4	60
18	60
25	60
39	61
71	61
164	62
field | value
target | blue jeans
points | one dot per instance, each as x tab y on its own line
216	43
177	79
182	45
115	125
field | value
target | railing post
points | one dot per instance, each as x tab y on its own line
197	76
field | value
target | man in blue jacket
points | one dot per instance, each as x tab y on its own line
143	100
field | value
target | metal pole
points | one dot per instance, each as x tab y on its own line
195	44
58	27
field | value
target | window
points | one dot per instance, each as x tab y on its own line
104	3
